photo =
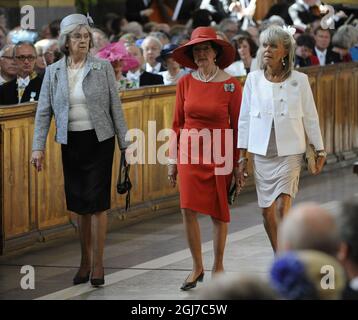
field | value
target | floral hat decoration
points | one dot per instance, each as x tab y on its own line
117	51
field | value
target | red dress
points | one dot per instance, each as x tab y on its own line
206	109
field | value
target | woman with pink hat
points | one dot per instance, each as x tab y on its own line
121	60
208	100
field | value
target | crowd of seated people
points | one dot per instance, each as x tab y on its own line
150	41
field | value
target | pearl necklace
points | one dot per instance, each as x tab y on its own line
202	77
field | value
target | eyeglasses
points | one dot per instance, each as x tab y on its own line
79	37
8	57
23	58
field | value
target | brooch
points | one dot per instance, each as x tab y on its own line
96	66
229	87
294	83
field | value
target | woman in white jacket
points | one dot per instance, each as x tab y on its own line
277	110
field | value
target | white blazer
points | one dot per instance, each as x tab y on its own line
288	105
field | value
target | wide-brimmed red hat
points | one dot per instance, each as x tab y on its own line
201	34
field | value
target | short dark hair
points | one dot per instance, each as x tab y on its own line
238	40
21	43
348	227
319	28
306	40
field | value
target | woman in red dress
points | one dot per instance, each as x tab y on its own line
205	122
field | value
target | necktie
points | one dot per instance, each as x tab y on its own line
22	83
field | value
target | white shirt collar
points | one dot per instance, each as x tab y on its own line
354	284
23	82
154	69
324	52
133	75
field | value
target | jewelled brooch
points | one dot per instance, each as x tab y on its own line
96	66
229	87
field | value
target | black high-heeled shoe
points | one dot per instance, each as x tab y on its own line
96	282
81	279
190	285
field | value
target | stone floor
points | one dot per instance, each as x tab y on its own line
149	260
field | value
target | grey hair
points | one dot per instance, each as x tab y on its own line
151	38
24	43
44	45
5	48
64	37
274	35
345	37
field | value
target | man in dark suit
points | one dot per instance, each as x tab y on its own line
26	87
323	49
348	253
138	10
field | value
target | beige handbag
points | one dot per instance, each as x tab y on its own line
311	158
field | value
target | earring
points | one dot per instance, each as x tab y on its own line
283	62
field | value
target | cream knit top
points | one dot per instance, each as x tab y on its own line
78	117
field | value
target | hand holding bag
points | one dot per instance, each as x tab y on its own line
231	197
124	184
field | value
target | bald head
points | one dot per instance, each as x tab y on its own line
309	226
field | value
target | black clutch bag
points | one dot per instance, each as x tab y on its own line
124	184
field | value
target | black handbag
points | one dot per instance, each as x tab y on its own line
124	184
232	194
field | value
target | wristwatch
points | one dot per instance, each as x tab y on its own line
321	153
242	159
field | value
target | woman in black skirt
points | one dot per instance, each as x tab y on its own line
80	91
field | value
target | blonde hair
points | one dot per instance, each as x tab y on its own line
274	35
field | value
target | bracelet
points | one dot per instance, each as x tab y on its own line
321	153
171	161
242	159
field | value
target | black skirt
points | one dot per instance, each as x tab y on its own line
87	170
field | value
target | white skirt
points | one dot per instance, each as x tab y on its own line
275	175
